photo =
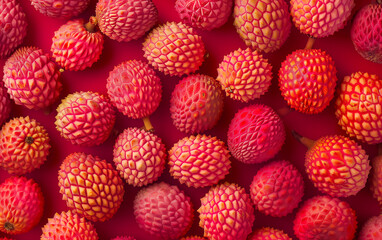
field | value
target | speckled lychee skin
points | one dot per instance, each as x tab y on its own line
5	104
255	134
163	211
63	9
307	80
277	188
372	229
262	24
359	107
124	238
90	186
134	88
174	49
204	14
244	75
268	233
85	118
21	205
376	178
226	213
199	161
125	20
31	78
325	218
139	156
67	226
196	104
24	145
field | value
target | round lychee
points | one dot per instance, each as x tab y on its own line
174	49
5	104
372	230
63	9
91	186
196	104
268	233
163	211
376	179
244	75
264	25
124	238
226	212
255	134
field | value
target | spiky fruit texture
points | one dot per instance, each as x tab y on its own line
255	134
134	88
85	118
5	104
163	211
139	156
325	218
91	186
359	107
21	205
174	49
60	8
125	20
32	79
196	104
277	189
226	213
199	161
372	230
124	238
376	180
244	75
268	233
67	226
13	27
307	80
264	25
192	238
24	145
204	14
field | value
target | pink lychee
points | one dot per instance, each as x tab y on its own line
372	230
63	9
268	233
5	104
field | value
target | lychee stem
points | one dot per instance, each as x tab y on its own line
304	140
310	43
9	226
90	26
148	126
29	140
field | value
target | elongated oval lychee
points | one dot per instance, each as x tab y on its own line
268	233
372	229
5	104
63	9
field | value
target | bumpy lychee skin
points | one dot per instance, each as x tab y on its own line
226	212
359	107
67	226
5	104
255	134
91	186
125	20
85	118
264	25
307	80
163	211
196	104
63	9
268	233
372	230
124	238
21	205
139	156
32	79
199	161
244	75
325	218
134	88
174	49
376	179
277	189
24	145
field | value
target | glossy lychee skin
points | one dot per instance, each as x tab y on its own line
24	145
67	226
134	88
90	186
139	156
325	218
268	233
255	134
163	211
63	9
124	238
85	118
307	80
31	78
372	229
21	205
174	49
359	107
376	178
244	75
5	104
199	161
196	104
263	25
226	212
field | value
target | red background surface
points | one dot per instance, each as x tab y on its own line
218	42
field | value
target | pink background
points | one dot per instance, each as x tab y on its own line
218	43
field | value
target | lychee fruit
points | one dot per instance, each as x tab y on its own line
124	238
196	104
372	230
268	233
63	9
5	104
244	75
255	134
174	49
376	177
193	238
91	186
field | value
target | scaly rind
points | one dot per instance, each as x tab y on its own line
267	233
376	180
372	229
63	9
5	104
